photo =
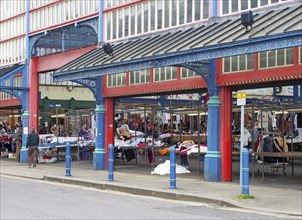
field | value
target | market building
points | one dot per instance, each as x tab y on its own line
133	48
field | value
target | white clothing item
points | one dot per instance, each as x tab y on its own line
164	168
300	133
246	137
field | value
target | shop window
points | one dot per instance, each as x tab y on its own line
132	24
234	64
181	11
18	81
139	18
187	73
262	60
244	5
226	64
189	11
272	58
120	23
139	77
108	26
159	14
153	15
233	6
276	58
197	10
126	11
238	63
167	13
165	73
146	17
280	58
205	9
174	13
114	24
290	56
254	3
114	80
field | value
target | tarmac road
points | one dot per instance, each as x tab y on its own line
36	199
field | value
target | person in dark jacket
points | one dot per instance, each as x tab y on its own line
32	144
18	141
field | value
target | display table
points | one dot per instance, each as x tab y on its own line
178	138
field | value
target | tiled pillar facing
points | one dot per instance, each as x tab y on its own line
99	155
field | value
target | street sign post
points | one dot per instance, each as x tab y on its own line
241	101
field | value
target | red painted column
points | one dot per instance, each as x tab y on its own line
109	124
33	107
226	133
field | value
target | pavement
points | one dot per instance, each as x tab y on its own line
267	199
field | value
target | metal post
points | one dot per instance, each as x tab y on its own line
253	145
241	141
110	162
245	187
57	125
172	167
198	128
68	160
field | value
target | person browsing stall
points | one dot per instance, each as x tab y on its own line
32	144
84	132
18	141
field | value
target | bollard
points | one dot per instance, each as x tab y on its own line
172	168
111	163
245	172
68	160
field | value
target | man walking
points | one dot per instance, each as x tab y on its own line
32	144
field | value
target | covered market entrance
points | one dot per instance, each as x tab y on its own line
198	48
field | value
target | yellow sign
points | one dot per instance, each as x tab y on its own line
241	95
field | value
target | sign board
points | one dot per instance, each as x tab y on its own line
58	105
241	99
51	105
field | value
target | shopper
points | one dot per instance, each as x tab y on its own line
18	141
53	130
32	144
42	130
84	132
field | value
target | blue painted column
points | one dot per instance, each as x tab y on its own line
99	154
25	124
212	162
245	186
100	34
111	162
172	167
25	101
68	159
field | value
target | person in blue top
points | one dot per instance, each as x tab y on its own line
84	132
